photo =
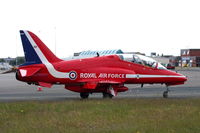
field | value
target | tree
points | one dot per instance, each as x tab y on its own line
19	60
2	60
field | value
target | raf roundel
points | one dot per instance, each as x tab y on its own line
72	75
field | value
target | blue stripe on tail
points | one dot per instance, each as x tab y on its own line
31	56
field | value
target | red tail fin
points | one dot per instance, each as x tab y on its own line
33	55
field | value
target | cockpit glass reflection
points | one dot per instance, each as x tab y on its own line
140	59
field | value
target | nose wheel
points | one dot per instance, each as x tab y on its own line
165	93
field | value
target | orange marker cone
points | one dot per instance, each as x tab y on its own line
39	88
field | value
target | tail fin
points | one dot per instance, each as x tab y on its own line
36	52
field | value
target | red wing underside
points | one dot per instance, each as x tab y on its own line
93	84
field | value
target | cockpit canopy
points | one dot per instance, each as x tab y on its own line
140	59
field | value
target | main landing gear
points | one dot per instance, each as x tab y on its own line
107	95
165	93
84	95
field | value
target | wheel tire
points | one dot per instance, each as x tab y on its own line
165	94
84	95
107	95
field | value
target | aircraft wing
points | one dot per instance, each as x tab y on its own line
91	84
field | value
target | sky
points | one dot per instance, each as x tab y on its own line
68	26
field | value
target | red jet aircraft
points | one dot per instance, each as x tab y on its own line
102	74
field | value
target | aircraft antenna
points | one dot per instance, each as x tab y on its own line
97	54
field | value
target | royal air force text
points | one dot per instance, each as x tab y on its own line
101	75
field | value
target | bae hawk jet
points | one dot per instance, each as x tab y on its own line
102	74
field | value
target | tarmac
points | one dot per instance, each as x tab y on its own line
13	90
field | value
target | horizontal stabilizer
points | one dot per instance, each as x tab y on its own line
43	84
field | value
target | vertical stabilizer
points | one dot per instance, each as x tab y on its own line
35	50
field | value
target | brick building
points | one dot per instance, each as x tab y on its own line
190	57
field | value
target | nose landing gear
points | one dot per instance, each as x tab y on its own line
165	93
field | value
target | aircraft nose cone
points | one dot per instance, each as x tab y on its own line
182	78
